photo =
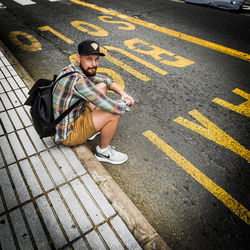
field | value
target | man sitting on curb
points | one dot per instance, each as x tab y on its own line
96	113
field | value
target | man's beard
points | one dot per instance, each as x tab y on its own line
87	73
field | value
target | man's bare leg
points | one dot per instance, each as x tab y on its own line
103	120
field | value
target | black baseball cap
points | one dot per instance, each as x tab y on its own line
89	47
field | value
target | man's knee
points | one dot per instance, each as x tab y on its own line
102	87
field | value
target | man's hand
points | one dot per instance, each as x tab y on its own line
125	97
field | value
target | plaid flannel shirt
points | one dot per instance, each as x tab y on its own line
77	86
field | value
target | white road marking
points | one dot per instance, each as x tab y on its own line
25	2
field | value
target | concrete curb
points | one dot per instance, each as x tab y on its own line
144	233
136	222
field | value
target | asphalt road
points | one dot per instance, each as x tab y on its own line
188	169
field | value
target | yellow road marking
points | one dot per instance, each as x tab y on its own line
125	66
48	28
34	46
243	108
213	133
137	59
192	39
156	53
128	26
206	182
99	31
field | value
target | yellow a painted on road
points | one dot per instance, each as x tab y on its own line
213	133
243	108
128	26
156	53
34	45
206	182
98	30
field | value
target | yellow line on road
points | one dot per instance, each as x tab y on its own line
206	182
192	39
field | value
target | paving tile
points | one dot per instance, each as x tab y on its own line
16	146
19	183
75	208
1	63
25	91
21	96
63	164
24	117
26	142
15	119
7	190
75	163
6	149
6	122
30	178
11	70
5	61
6	101
1	130
20	230
63	215
1	206
53	169
125	235
35	139
49	142
12	82
19	81
1	87
109	237
79	245
13	98
36	227
51	223
87	202
94	241
98	196
1	75
6	238
1	161
41	172
5	72
5	85
2	108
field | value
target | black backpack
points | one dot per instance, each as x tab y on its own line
41	101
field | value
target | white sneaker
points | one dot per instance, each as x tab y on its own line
110	155
93	136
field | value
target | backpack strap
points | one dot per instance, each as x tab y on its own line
66	112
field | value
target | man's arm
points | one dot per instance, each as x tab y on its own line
124	96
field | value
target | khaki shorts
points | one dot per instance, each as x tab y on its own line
82	129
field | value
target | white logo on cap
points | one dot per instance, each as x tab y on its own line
94	46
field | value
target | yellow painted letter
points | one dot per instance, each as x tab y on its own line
156	51
98	31
48	28
213	133
128	26
243	108
34	43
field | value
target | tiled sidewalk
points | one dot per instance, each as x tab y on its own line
47	198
